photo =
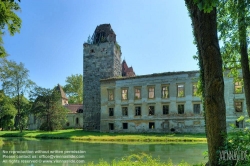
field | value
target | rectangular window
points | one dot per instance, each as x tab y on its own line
165	109
125	125
151	110
111	111
110	94
151	125
165	91
137	111
151	92
124	111
238	88
124	94
195	89
180	90
181	109
239	124
238	106
197	108
137	93
111	126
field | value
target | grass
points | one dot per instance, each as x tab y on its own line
139	160
111	137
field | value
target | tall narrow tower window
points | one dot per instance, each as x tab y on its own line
110	94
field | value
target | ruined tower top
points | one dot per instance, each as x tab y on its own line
103	33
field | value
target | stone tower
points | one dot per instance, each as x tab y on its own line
101	59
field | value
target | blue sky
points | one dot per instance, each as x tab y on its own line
155	36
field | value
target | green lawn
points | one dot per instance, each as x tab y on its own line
97	136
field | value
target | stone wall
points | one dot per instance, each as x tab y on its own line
100	61
189	121
74	120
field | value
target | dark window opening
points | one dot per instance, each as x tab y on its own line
80	111
239	124
124	111
181	109
137	111
111	111
165	109
111	126
100	37
125	125
151	110
67	124
77	121
197	109
151	125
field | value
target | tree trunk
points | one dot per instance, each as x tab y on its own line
205	33
243	51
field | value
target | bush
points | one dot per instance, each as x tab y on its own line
236	150
141	159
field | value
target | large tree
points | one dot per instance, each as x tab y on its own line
48	108
7	112
233	23
24	108
74	88
15	83
204	23
9	19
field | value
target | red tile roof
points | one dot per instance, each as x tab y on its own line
127	71
74	108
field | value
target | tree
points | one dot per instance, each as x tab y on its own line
7	112
74	88
204	23
89	41
8	18
15	82
233	20
24	110
47	107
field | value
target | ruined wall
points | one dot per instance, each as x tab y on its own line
74	120
231	97
189	121
100	61
186	122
